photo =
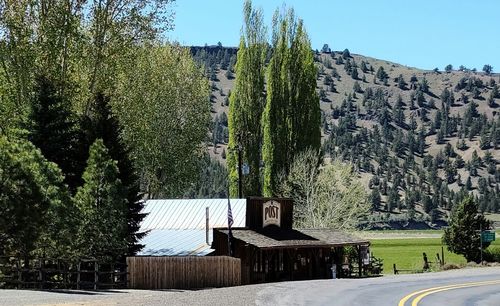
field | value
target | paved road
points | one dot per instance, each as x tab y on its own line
445	288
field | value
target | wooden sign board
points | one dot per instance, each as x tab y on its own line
263	212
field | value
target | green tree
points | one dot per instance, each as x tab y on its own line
346	54
292	117
35	204
247	103
55	130
102	200
401	82
488	69
381	74
356	87
462	236
103	124
375	198
330	196
164	128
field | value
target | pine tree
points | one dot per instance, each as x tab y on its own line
104	125
247	103
34	203
55	131
292	118
102	200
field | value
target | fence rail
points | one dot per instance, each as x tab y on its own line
183	272
49	273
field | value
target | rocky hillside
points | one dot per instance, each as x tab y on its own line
421	139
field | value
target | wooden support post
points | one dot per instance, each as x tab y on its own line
41	274
78	276
19	274
96	274
113	280
360	262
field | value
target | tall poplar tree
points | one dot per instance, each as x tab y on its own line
291	119
247	103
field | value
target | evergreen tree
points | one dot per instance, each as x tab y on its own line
401	82
462	236
103	124
468	183
375	198
102	200
354	73
292	117
55	131
381	74
34	203
247	103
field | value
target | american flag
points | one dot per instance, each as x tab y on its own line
230	222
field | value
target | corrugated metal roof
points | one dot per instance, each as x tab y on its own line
177	227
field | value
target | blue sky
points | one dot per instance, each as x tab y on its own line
423	34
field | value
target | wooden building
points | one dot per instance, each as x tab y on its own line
270	248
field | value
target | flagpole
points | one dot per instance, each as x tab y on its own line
229	223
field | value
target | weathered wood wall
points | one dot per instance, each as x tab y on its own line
183	272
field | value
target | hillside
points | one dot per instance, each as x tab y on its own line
420	139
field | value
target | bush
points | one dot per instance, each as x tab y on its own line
492	255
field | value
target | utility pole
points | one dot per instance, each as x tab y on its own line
240	183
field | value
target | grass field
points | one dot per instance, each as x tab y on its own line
406	253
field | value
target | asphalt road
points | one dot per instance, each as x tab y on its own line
480	286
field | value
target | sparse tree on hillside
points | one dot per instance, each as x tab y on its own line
346	54
488	69
354	73
448	68
356	87
381	74
363	67
401	82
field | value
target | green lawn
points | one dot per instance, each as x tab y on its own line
407	253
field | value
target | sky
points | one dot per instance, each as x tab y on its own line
424	34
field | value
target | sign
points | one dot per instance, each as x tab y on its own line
365	254
271	213
245	169
488	236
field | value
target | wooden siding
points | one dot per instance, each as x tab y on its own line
183	272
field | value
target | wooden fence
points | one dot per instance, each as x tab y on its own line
183	272
50	273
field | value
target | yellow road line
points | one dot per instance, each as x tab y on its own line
422	293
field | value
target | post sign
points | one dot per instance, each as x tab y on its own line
488	236
271	213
